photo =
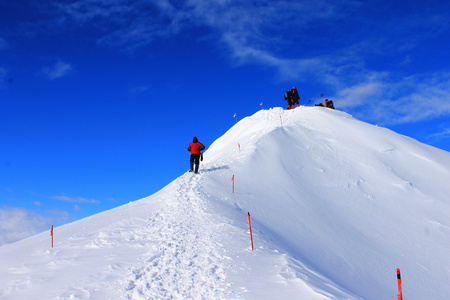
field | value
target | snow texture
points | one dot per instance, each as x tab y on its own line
336	204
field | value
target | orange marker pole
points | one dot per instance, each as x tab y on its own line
232	184
51	233
239	145
399	282
250	226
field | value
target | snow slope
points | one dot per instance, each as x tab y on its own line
336	206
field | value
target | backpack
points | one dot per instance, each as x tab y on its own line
287	95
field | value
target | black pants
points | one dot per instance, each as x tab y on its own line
195	158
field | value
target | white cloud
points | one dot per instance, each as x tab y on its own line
264	32
20	223
86	10
75	199
62	215
134	24
359	94
60	69
442	135
390	100
246	27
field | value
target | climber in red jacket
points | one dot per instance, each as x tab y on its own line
195	149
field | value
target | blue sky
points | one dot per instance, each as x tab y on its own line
99	99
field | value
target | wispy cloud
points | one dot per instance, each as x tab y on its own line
442	135
75	199
382	96
60	69
20	223
402	100
321	40
127	25
86	10
61	215
252	31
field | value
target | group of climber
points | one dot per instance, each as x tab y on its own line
293	99
328	103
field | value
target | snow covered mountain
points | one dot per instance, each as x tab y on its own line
336	206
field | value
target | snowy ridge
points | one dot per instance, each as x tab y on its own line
336	204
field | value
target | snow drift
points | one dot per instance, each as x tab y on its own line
336	205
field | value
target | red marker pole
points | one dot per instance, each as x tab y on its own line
232	184
399	282
250	226
51	233
239	145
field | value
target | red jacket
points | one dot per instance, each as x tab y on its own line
195	148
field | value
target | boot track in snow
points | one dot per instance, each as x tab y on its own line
185	251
